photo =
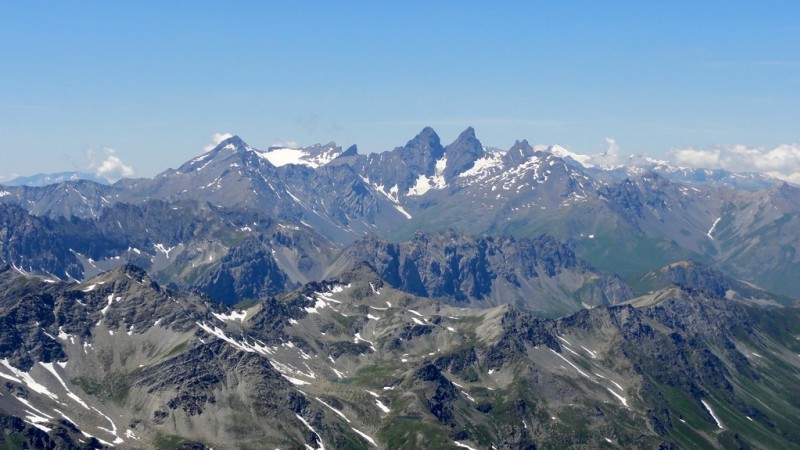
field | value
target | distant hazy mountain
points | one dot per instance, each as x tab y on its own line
44	179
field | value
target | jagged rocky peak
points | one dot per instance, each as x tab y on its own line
422	151
321	149
351	151
520	151
462	153
428	141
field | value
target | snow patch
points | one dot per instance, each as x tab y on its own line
110	301
570	363
25	378
362	434
622	399
35	418
403	211
70	394
713	227
243	346
383	407
308	425
392	195
436	181
232	316
279	157
295	381
713	416
484	167
113	430
339	413
161	248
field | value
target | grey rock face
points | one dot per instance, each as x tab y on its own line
539	274
462	154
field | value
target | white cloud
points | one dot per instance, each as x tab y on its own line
286	144
107	165
609	158
112	169
697	158
781	162
216	138
613	147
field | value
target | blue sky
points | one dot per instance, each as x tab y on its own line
155	81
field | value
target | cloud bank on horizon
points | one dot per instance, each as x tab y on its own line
781	162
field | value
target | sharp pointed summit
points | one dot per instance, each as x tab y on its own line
225	148
519	152
462	153
425	147
234	141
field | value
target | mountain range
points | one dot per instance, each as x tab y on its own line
428	296
626	221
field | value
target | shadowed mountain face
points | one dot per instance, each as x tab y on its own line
539	275
354	363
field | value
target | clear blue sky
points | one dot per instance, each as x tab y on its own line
154	80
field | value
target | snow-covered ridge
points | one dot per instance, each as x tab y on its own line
484	167
282	156
561	152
